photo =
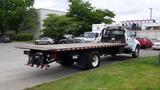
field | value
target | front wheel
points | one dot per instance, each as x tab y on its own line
93	60
136	52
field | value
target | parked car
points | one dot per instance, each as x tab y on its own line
156	44
5	39
91	37
80	37
44	41
145	42
69	39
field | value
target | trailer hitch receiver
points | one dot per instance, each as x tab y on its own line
38	59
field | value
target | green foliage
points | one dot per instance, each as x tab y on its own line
55	26
79	19
23	37
83	11
31	20
16	15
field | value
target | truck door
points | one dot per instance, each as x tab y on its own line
129	39
98	37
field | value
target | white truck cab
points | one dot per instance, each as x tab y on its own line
131	41
121	35
129	36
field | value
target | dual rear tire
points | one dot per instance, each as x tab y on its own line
66	61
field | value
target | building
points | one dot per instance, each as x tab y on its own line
42	15
151	26
136	24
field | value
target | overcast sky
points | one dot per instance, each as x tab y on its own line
124	9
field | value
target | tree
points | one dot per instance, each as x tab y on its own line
83	11
55	26
79	19
15	14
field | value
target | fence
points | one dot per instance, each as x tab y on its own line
151	34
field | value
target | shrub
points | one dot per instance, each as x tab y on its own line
23	37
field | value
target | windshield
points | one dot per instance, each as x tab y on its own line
118	32
44	38
89	35
113	33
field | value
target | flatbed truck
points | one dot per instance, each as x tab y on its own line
115	40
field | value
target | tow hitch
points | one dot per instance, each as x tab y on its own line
39	59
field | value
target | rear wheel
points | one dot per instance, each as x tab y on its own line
136	52
66	61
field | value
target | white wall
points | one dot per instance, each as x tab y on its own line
144	26
151	34
42	15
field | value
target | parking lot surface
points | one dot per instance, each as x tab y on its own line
15	75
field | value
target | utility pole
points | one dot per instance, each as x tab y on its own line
150	13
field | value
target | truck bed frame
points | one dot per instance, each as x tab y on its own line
67	54
70	47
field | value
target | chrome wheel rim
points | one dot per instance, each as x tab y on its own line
95	61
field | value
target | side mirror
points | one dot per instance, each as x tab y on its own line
96	35
135	34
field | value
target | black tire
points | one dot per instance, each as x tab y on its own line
48	43
93	60
36	43
63	42
146	46
136	52
66	61
113	54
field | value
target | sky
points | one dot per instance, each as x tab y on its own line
124	9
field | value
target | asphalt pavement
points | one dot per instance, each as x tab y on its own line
15	75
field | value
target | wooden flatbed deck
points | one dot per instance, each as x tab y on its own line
68	47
